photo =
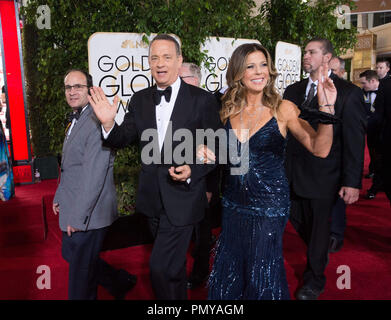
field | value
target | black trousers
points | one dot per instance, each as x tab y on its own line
311	219
86	269
377	181
168	258
372	143
386	172
338	219
202	247
374	148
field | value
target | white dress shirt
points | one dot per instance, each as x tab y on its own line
307	90
310	81
371	100
163	113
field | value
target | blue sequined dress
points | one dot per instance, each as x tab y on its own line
249	264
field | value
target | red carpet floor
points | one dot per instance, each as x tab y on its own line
366	252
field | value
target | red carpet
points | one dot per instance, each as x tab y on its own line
367	252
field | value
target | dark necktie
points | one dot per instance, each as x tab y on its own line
157	95
310	96
75	115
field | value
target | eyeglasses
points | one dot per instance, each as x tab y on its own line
78	87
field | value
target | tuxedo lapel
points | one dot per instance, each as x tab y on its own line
76	128
314	102
333	76
339	101
79	124
301	92
181	110
178	119
149	110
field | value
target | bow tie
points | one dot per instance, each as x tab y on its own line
371	91
157	95
75	115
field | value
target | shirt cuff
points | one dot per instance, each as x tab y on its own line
188	181
106	134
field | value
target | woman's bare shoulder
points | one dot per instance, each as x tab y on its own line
287	110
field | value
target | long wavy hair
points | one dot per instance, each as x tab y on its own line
234	99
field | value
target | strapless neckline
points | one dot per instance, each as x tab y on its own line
258	131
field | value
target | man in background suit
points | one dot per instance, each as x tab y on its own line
315	182
383	69
369	81
172	190
383	120
338	214
86	199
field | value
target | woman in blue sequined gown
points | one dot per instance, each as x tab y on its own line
249	262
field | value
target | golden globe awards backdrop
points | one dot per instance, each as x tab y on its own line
118	63
219	51
288	65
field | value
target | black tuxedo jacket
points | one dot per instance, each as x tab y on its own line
383	112
319	178
195	108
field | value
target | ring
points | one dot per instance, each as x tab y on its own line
201	159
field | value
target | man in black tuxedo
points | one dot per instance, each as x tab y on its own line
338	214
369	81
316	182
382	118
172	189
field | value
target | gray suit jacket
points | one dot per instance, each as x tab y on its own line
86	193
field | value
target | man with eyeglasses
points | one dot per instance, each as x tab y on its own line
86	199
190	73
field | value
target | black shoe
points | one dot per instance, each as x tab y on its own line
308	293
194	283
125	282
369	176
370	195
335	244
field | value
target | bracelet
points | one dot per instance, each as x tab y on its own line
329	108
